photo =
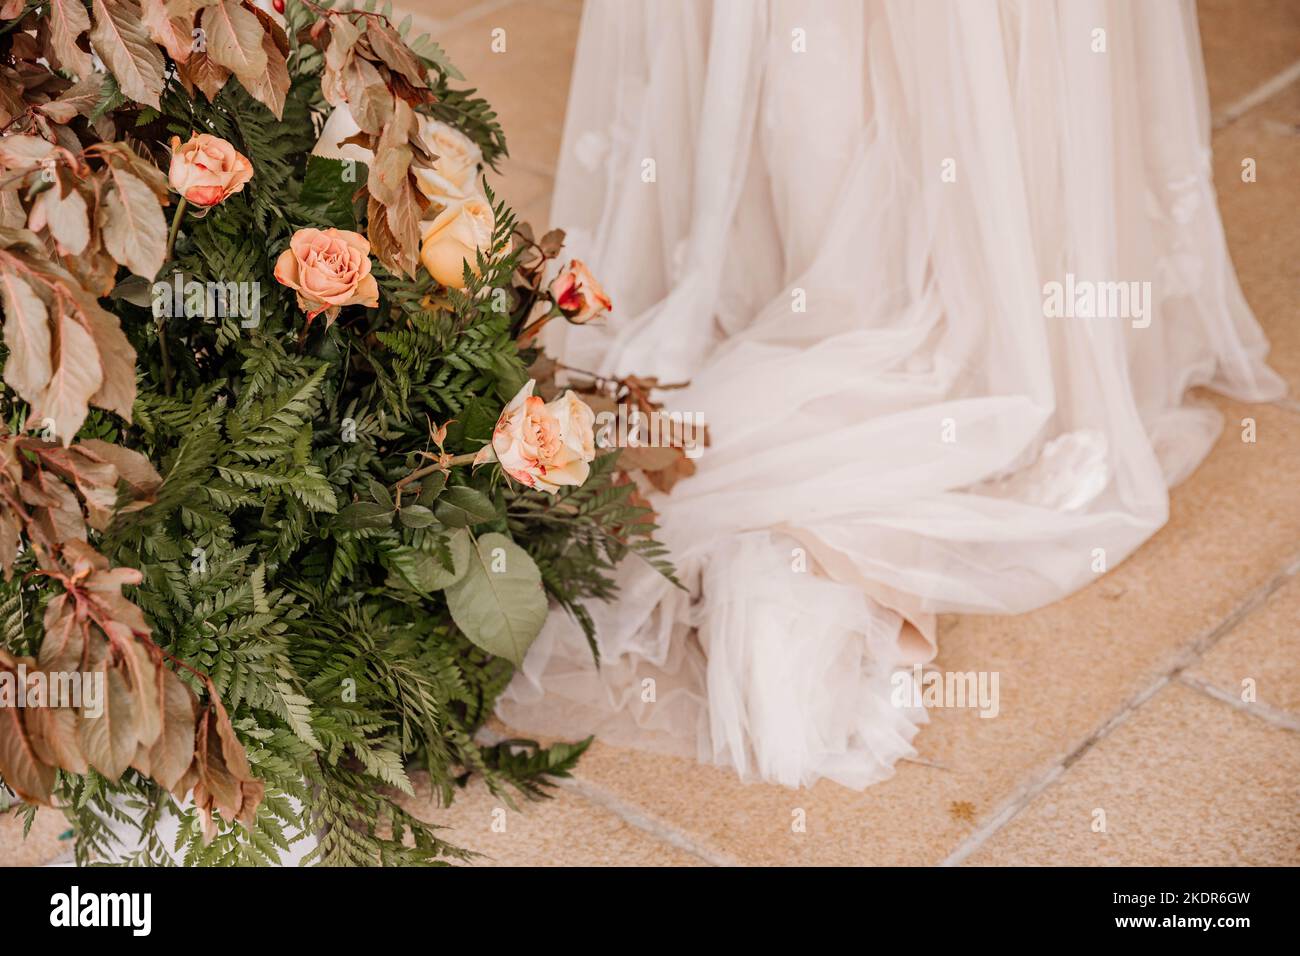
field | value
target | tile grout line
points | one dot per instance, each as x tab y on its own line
597	795
633	816
1264	712
1266	90
1190	654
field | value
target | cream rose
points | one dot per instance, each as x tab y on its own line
544	445
328	268
207	170
454	173
454	238
577	293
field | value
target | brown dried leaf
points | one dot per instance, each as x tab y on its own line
66	218
388	45
132	223
24	772
203	72
109	740
173	752
367	95
19	151
54	737
119	38
552	243
648	459
27	337
272	87
665	478
117	361
68	21
404	223
135	469
75	377
172	32
63	648
235	40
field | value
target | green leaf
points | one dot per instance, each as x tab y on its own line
415	516
431	487
327	190
499	604
380	493
424	572
365	514
461	506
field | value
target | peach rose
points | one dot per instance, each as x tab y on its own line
454	173
207	170
328	268
455	238
543	446
578	295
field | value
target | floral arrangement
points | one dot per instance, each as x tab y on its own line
284	478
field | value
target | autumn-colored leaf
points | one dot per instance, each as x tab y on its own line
55	738
76	376
19	150
24	772
27	337
203	72
272	87
133	225
235	40
66	217
132	467
392	49
109	740
64	645
404	223
366	94
173	751
83	96
117	363
119	38
68	21
172	32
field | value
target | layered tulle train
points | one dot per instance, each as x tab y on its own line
844	223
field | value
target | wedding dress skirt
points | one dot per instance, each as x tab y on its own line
838	221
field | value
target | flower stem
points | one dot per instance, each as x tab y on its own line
530	330
162	320
176	228
444	463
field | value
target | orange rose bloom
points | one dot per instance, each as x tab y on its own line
207	170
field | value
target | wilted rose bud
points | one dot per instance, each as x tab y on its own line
578	295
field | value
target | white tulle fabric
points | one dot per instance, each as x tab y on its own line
777	171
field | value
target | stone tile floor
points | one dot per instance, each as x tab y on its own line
1152	718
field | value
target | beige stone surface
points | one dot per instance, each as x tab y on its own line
564	831
1263	649
1246	42
1260	219
1187	780
1064	671
41	844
